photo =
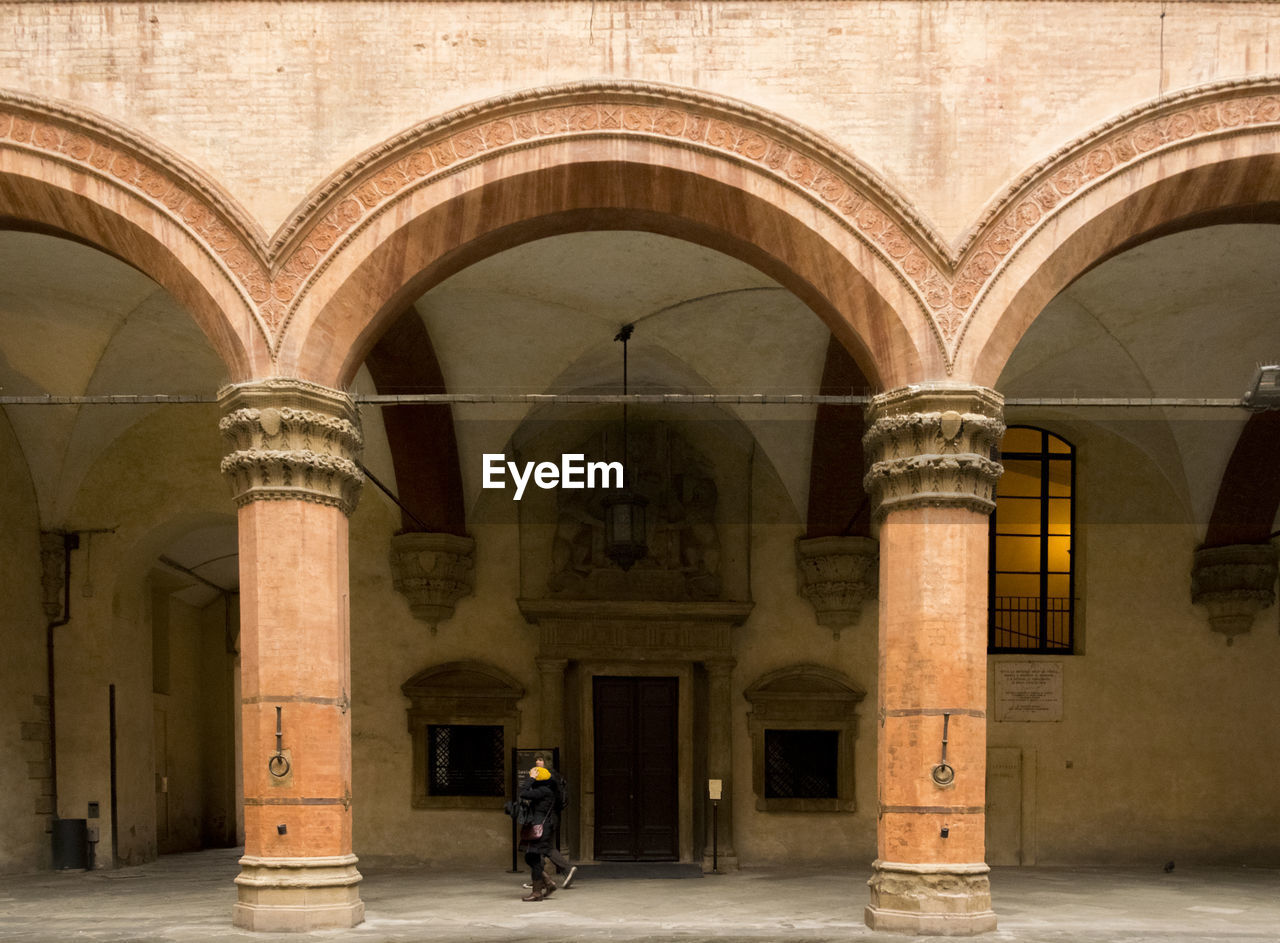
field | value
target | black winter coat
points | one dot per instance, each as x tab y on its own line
542	804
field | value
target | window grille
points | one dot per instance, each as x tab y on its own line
465	760
1031	567
801	764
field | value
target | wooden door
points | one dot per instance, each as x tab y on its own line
636	805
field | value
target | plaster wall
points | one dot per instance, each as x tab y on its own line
1161	752
388	647
193	740
949	101
24	731
153	481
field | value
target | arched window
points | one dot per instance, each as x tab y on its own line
1032	579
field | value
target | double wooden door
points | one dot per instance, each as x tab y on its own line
636	803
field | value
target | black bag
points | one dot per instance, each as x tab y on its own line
562	791
519	810
534	831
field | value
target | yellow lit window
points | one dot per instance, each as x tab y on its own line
1032	581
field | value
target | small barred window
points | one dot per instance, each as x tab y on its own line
801	764
465	760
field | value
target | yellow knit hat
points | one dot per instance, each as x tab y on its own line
541	772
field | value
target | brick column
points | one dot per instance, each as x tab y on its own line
720	760
932	483
291	456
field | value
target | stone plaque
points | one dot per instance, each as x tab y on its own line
1028	692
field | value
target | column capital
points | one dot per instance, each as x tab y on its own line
931	446
288	439
720	667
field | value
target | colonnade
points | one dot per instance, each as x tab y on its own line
292	459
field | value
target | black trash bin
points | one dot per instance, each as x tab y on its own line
70	844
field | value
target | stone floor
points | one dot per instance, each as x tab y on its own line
188	898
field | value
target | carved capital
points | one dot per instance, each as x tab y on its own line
1234	583
289	439
837	575
932	446
432	571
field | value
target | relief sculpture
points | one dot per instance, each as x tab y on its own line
683	562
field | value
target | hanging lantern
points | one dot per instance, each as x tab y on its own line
625	527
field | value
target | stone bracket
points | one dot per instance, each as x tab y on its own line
1234	583
432	571
837	575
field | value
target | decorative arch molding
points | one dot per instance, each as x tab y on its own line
947	285
374	187
1070	199
270	279
76	172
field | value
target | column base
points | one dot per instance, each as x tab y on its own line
930	899
298	894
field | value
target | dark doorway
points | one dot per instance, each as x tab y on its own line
636	772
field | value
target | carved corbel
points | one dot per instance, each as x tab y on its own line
837	575
432	571
1234	584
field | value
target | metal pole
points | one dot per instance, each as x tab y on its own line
715	836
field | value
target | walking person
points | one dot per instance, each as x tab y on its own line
563	865
535	836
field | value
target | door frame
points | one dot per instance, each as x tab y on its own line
683	673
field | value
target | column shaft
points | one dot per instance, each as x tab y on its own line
933	480
291	466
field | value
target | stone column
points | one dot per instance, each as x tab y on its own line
720	759
551	671
932	484
291	463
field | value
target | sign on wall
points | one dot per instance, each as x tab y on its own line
1028	692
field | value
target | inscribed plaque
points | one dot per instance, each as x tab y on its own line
1028	692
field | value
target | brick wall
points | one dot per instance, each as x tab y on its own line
948	100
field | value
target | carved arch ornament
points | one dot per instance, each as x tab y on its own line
273	276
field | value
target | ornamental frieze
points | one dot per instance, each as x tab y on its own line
948	284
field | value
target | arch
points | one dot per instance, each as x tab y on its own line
838	504
424	447
69	172
1185	156
1250	491
603	156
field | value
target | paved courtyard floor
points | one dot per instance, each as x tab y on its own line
188	898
